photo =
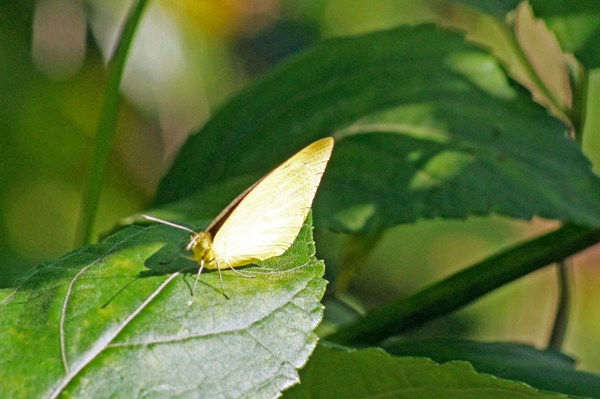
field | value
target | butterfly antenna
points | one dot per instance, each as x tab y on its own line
177	226
198	276
221	279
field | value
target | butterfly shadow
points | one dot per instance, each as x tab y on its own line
171	259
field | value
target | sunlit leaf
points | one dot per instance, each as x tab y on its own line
109	321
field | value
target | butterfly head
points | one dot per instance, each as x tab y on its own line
201	247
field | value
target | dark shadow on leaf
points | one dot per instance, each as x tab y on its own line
169	259
173	259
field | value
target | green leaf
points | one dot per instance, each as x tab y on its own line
496	8
459	137
312	95
576	24
372	373
544	369
109	321
392	178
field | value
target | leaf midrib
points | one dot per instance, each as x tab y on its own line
102	343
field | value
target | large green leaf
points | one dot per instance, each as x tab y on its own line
390	178
314	94
576	24
460	137
543	369
372	373
109	321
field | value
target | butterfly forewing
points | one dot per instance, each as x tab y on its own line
269	217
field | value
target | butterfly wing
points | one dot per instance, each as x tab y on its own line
269	217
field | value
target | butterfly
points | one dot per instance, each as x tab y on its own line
264	220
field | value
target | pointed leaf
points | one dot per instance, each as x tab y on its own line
543	51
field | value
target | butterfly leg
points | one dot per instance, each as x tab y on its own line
198	276
221	278
245	275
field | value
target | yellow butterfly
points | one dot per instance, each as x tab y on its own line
264	220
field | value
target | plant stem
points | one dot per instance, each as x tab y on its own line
466	286
561	320
578	114
106	127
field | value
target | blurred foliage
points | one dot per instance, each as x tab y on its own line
190	56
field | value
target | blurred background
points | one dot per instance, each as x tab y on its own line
189	56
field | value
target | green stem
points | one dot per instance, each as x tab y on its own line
106	127
561	320
578	114
466	286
